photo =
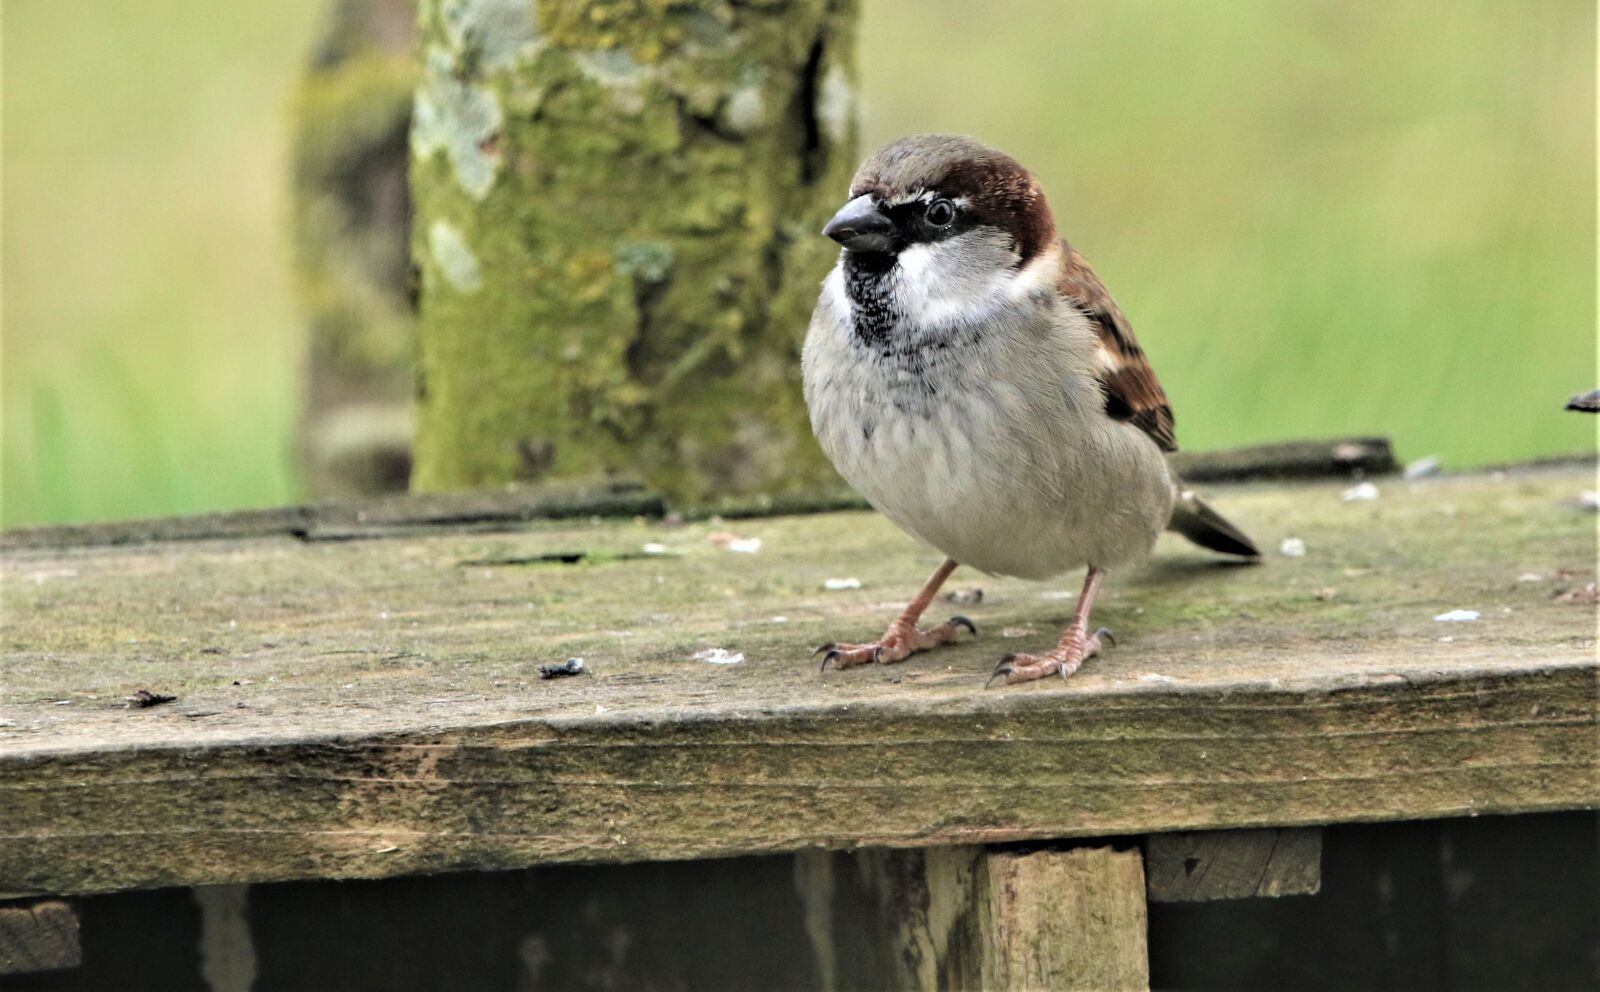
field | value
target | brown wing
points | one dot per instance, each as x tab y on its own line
1132	392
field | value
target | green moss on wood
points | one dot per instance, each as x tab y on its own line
640	185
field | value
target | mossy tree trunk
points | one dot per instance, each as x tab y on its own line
617	207
352	217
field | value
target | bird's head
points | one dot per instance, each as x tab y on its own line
947	196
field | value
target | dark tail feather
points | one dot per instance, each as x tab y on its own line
1192	518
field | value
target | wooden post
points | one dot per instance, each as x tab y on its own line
1063	920
618	207
975	918
40	936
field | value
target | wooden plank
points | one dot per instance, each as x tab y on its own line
42	936
373	708
1197	866
404	514
1353	457
379	517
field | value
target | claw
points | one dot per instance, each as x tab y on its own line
830	656
1002	667
961	621
1105	634
826	647
877	654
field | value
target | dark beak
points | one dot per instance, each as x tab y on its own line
861	226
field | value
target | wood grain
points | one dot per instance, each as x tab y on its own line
372	708
41	936
1233	864
1064	920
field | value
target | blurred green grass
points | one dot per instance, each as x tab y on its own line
151	347
1322	217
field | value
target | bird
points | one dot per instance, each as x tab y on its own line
968	373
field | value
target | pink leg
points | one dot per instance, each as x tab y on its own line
902	639
1075	647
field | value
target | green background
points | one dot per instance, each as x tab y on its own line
1322	217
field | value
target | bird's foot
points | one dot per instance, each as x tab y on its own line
1076	647
898	643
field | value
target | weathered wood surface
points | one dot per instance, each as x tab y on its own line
514	505
372	708
381	517
1063	920
1352	457
970	917
39	936
1200	865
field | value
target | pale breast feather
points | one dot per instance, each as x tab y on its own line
1132	391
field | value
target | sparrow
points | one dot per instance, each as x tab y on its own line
968	373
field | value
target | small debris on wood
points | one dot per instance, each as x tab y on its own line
1016	632
654	549
1530	577
1292	547
718	656
1585	402
839	585
572	666
1457	616
964	597
733	542
1360	494
144	699
1423	467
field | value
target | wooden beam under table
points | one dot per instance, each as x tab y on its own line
38	936
1200	865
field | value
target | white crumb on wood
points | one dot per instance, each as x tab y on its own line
718	656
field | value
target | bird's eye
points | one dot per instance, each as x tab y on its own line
940	213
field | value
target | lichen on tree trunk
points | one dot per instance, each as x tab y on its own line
617	216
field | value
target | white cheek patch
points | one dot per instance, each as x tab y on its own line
962	279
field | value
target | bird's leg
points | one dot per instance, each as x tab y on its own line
902	639
1075	647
